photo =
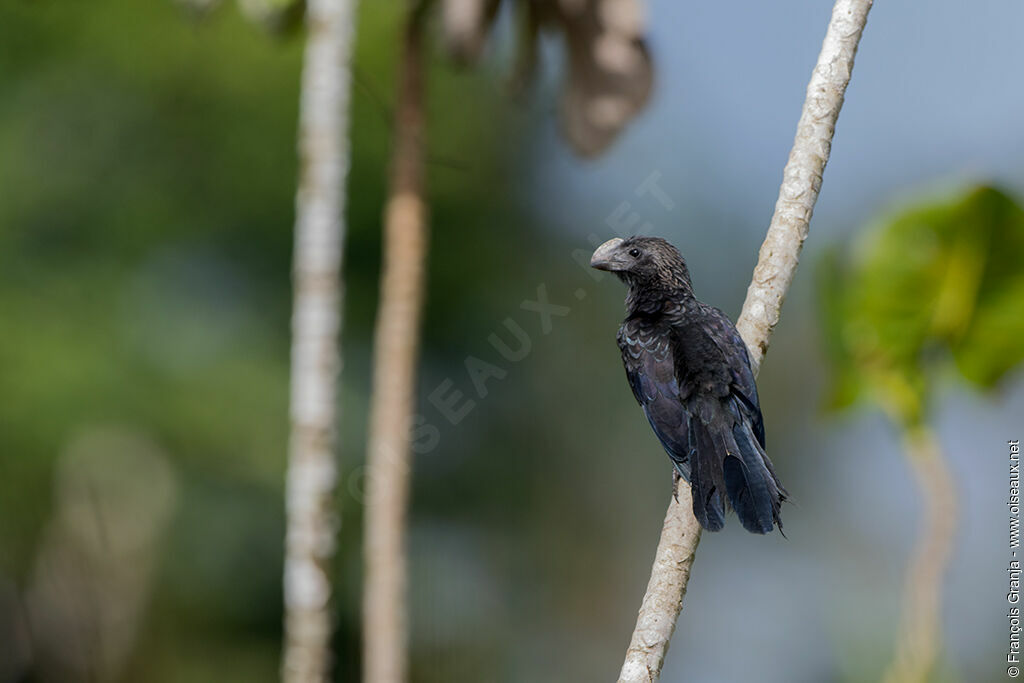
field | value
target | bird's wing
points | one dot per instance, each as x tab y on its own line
732	430
743	388
697	390
650	369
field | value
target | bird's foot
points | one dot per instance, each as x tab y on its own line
675	483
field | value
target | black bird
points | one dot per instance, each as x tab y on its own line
689	370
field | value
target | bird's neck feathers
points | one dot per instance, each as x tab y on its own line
649	293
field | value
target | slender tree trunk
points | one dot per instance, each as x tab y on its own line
780	252
921	632
396	345
316	322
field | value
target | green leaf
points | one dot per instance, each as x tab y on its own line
937	276
991	345
831	278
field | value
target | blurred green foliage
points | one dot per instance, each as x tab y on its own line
936	280
147	167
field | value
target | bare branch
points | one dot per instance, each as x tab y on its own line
801	179
780	252
663	600
316	323
396	347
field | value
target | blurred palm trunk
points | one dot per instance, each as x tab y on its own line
316	324
920	631
396	345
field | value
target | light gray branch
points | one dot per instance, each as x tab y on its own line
801	179
780	252
316	323
664	597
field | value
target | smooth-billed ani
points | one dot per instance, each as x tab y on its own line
689	370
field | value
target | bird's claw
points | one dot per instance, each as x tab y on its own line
675	483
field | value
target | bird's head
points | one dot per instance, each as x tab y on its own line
648	262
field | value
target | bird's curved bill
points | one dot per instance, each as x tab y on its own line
606	256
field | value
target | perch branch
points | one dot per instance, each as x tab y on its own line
395	350
780	252
316	322
801	179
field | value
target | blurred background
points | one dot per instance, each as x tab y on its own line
147	174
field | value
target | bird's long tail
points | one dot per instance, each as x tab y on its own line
730	468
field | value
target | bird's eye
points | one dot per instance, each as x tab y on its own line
634	252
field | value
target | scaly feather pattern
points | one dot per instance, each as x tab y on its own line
689	371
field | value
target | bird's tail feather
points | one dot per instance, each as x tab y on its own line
708	493
729	468
750	482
